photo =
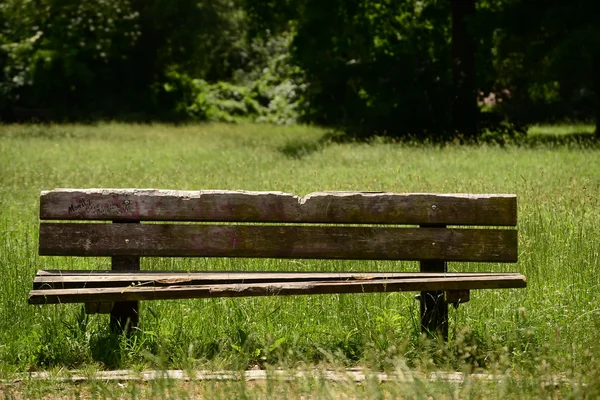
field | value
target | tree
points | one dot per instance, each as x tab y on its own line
464	107
548	56
377	67
113	58
596	67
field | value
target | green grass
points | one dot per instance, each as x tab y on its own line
549	328
561	129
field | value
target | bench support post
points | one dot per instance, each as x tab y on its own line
434	308
124	315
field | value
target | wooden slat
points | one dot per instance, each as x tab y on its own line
269	241
137	293
320	207
83	279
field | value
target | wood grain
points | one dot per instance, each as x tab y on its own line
137	293
269	241
319	207
87	279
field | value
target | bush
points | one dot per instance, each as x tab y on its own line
270	89
63	55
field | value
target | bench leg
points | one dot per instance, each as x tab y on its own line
124	315
434	308
98	308
457	297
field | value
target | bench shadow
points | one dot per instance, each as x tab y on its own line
106	350
113	350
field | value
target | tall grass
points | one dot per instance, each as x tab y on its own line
549	328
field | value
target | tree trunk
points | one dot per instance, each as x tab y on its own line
596	78
464	109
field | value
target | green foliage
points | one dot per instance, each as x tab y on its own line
547	55
269	89
17	47
276	82
365	66
112	57
377	66
223	102
385	67
64	52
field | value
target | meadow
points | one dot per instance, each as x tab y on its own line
530	335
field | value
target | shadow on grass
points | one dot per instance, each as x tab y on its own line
106	350
573	139
301	148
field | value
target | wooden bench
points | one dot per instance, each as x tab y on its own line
327	225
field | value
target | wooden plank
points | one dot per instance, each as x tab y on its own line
64	280
137	293
269	241
319	207
345	376
81	275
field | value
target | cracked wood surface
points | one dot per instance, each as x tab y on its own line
65	279
141	292
247	206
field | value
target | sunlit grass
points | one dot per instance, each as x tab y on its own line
561	129
548	328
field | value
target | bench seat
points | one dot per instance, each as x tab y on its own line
53	287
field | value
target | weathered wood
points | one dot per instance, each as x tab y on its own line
124	315
98	279
136	293
320	207
298	375
270	241
79	274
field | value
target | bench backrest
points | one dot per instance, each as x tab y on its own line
324	225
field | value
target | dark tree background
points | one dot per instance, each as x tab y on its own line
436	69
464	111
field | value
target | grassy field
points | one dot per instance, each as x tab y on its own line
549	329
